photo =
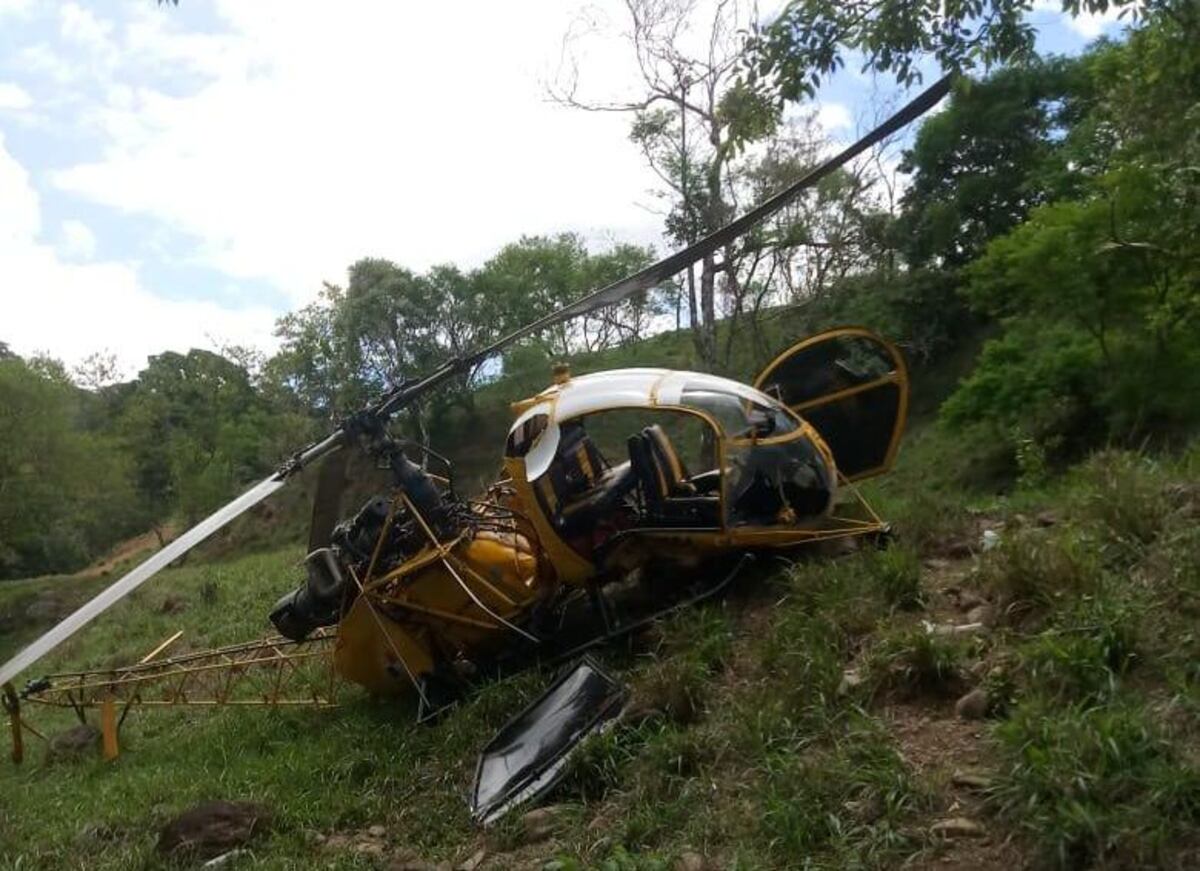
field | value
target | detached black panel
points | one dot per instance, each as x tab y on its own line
526	757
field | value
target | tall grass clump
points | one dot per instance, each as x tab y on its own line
1124	494
1035	569
913	661
1087	649
848	800
843	591
897	571
1094	784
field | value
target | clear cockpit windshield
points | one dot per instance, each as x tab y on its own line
774	472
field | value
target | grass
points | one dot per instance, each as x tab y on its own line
913	661
750	750
1099	784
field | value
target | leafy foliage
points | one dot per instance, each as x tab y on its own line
810	39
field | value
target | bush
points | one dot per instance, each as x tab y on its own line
1035	383
1090	646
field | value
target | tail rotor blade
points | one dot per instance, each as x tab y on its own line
327	501
138	576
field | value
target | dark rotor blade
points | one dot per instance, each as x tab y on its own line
662	270
327	500
138	576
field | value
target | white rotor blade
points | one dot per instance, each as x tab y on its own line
135	578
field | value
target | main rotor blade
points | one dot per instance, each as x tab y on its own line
327	500
138	576
659	272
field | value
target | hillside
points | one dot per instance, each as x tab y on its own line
808	719
1013	682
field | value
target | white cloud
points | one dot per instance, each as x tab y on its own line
70	310
13	96
81	26
834	116
1087	24
78	241
14	7
1090	25
323	134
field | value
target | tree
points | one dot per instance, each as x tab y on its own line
64	494
999	149
810	39
530	278
197	430
1098	292
98	370
690	123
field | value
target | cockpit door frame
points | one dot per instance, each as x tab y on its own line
898	376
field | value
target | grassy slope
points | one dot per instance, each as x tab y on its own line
752	755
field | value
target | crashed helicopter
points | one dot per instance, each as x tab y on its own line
605	476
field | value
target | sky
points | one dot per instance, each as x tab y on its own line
180	176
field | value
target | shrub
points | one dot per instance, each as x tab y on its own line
1036	381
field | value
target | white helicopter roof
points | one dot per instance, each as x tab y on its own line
612	389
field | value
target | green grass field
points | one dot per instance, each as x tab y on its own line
755	748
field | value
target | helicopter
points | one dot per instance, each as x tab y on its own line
644	473
630	470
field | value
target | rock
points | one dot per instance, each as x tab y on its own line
213	828
958	549
983	613
968	600
970	780
336	841
955	628
690	861
958	827
474	862
376	831
974	705
865	810
173	605
540	823
851	679
225	858
74	741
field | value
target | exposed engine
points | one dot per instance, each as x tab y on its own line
319	600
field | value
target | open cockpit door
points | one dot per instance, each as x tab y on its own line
852	386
